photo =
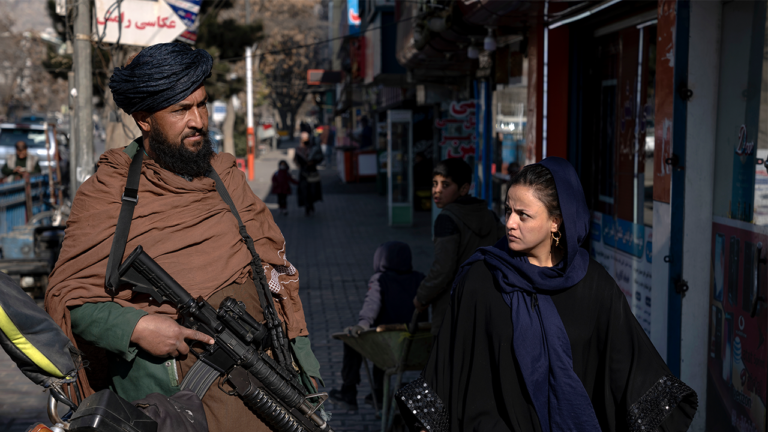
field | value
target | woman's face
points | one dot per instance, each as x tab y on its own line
529	226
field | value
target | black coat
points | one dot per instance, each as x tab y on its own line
474	371
310	188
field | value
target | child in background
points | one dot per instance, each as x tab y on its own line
390	290
463	225
281	186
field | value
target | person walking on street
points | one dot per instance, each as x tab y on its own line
304	126
281	186
463	225
366	134
539	337
20	162
390	290
307	157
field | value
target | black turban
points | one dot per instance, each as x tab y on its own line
159	76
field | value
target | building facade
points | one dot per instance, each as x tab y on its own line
661	106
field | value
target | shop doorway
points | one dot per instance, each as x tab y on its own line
617	151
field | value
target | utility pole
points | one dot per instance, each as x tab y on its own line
83	93
72	136
251	137
249	110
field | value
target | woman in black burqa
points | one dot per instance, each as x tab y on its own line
539	337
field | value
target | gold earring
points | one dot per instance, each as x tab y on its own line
556	239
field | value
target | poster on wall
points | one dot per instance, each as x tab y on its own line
736	387
625	250
457	132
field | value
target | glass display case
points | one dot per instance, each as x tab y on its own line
399	178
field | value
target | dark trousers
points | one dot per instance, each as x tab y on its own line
350	375
282	201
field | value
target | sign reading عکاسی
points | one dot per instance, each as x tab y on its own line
142	22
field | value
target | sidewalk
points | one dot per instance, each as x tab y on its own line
333	251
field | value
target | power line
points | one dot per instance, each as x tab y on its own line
324	41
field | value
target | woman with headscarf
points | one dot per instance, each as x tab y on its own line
539	337
310	189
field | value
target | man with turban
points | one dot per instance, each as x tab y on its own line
182	222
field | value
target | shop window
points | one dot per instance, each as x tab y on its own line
736	383
624	83
741	176
647	115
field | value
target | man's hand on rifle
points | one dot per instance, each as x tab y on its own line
163	337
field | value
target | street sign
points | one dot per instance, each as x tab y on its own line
142	22
353	17
219	111
321	76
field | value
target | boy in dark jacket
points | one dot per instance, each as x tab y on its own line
281	186
388	301
464	224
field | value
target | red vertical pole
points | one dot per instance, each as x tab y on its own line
251	148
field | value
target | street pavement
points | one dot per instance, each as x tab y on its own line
333	251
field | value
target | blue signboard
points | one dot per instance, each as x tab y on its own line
187	10
353	17
630	237
609	231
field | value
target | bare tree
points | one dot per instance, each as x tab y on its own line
292	31
25	84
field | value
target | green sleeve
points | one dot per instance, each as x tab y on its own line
107	325
37	169
7	170
306	359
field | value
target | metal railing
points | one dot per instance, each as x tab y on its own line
21	199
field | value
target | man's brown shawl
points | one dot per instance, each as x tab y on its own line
184	225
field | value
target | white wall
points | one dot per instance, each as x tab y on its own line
703	80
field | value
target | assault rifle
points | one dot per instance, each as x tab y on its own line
239	351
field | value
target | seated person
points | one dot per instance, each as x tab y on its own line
390	290
20	162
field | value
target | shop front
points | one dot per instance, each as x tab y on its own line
613	81
737	350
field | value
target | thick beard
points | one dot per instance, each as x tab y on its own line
178	158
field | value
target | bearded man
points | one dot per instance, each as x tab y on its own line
184	224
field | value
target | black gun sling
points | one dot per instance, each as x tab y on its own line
200	376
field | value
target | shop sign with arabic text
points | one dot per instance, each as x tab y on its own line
140	22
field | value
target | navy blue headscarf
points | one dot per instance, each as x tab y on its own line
541	344
159	76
